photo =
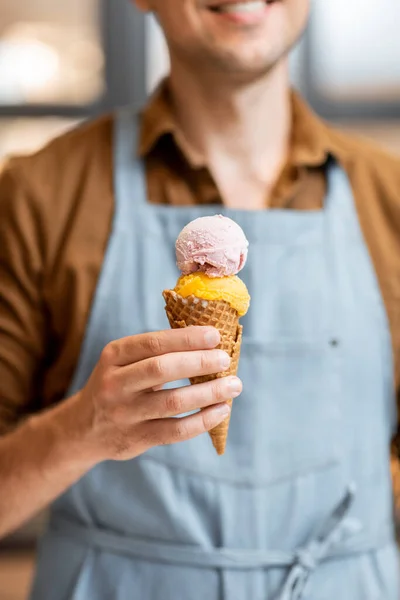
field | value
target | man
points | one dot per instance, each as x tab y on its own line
300	506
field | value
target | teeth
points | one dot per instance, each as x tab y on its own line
253	6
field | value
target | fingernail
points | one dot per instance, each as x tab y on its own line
222	410
212	338
224	361
234	386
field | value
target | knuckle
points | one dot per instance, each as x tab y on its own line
180	431
158	367
154	344
110	353
174	402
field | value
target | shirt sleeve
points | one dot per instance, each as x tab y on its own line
22	314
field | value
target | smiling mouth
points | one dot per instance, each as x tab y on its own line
247	6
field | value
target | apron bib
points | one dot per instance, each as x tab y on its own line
300	506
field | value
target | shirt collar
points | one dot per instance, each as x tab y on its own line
158	121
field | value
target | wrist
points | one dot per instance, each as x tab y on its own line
65	439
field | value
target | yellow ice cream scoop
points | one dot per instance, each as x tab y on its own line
231	289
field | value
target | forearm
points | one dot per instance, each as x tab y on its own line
39	461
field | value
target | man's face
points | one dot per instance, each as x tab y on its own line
244	38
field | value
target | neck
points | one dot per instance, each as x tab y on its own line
241	132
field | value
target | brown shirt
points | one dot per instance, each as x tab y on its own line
56	209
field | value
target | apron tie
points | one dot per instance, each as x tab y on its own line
335	530
339	536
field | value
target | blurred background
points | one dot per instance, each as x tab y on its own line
60	63
63	63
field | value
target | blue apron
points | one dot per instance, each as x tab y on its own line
300	506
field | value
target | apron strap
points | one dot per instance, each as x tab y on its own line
339	199
129	173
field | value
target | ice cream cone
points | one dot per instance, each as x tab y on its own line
210	252
184	312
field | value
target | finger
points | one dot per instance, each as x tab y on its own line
171	403
172	431
143	346
157	388
160	370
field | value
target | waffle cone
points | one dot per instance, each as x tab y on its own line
185	312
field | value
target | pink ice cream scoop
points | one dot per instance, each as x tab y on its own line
215	245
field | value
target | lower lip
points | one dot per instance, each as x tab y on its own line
244	18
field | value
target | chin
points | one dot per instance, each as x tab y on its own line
250	61
255	45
